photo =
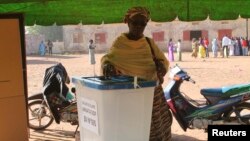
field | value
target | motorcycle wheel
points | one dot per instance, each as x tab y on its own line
244	114
40	116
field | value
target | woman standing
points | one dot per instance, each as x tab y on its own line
170	50
202	51
92	47
205	44
178	48
236	47
231	47
132	54
42	48
215	47
194	48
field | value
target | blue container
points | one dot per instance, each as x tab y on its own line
117	82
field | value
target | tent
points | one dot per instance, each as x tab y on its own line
64	12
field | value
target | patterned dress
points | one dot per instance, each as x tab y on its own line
161	117
171	51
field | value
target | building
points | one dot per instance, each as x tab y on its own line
76	37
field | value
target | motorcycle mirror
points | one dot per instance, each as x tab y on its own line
73	90
67	80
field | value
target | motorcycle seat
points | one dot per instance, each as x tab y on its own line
215	92
218	92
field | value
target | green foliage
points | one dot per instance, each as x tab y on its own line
52	33
72	12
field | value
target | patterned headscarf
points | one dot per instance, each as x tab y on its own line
135	11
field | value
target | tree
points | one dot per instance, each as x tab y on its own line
52	33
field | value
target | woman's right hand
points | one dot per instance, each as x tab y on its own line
108	70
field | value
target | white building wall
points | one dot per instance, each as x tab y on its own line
172	30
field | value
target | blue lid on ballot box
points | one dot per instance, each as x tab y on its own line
116	82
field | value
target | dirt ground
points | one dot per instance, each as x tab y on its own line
211	72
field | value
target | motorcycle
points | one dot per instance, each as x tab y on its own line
41	117
224	106
56	102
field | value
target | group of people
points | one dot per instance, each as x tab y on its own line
200	48
43	48
235	46
171	49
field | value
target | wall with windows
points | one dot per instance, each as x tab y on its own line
105	34
76	37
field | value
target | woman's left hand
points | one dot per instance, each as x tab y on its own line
161	71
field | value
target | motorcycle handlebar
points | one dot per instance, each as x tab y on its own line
191	80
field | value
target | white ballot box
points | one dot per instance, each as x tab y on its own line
118	109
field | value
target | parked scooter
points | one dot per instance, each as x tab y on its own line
224	106
56	102
41	117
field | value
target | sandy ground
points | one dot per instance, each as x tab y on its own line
213	72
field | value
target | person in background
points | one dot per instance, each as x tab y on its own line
248	47
178	49
50	46
244	46
194	48
132	54
215	47
200	41
202	51
225	43
170	50
236	46
231	47
91	47
206	43
92	61
42	48
240	46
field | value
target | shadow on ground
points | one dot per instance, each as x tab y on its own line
54	56
35	62
62	135
36	59
52	135
176	137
